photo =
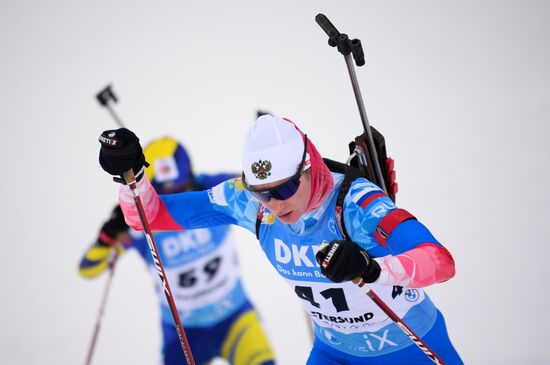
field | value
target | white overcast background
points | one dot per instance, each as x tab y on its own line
460	90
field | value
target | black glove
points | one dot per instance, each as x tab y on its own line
344	260
120	151
112	228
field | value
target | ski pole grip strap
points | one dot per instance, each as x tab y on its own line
386	226
137	177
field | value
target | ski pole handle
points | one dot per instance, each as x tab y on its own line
130	178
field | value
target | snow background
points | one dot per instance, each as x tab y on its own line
460	89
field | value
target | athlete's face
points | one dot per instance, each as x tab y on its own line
291	209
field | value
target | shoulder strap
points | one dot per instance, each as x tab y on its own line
350	175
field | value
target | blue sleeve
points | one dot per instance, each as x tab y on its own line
207	181
409	235
139	243
225	203
365	206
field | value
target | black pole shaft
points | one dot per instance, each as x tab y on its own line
365	121
114	115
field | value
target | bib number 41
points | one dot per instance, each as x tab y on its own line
335	294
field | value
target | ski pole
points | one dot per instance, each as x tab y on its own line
398	321
131	181
104	97
390	313
347	48
112	262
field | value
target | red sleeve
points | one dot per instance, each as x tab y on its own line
157	215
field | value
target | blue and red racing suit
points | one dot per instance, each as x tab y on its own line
348	325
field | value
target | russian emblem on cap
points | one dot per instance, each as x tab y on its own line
261	169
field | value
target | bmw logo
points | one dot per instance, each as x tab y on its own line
411	295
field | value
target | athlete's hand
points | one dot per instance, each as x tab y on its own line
113	239
120	151
114	230
344	260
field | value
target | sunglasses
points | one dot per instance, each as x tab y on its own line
284	190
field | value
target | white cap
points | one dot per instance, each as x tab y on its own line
272	150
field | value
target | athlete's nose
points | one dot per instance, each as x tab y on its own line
275	206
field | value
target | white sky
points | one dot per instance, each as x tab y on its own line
459	88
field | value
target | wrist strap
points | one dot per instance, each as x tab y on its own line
138	176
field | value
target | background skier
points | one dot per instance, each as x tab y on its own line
201	265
